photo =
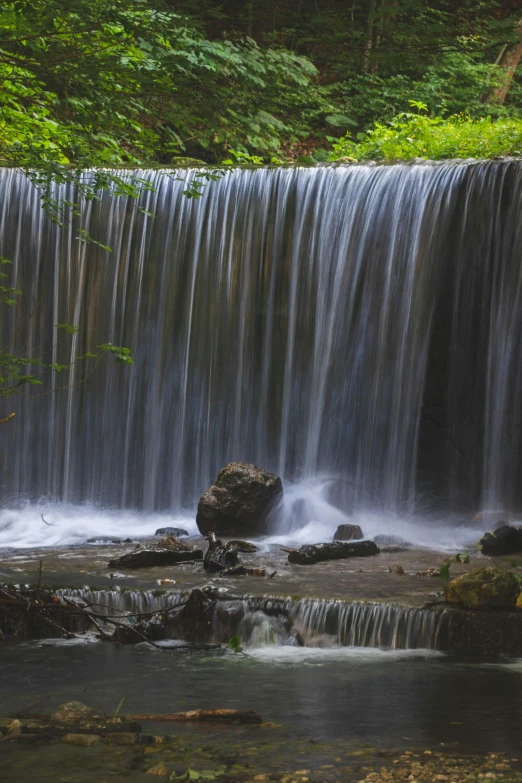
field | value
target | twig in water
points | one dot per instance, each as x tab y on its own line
28	709
49	524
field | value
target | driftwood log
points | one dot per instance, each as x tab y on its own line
150	558
337	550
243	716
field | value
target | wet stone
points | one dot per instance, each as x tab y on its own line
171	531
348	533
83	740
73	711
160	770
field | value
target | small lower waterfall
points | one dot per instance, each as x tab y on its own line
355	322
125	602
270	620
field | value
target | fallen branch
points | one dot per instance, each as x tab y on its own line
245	716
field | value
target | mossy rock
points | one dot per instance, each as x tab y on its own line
484	588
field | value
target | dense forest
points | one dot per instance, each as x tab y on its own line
111	82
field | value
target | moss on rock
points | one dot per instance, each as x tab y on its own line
484	588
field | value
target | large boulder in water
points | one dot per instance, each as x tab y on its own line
239	502
348	533
484	588
505	540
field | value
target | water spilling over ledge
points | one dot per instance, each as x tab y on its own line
306	622
358	323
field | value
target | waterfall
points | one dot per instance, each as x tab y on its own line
358	323
269	620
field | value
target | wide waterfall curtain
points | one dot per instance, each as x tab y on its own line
361	323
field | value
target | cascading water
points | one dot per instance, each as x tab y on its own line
271	621
358	323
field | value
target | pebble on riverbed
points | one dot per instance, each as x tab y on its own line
431	767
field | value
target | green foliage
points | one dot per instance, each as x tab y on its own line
444	572
416	135
116	82
460	558
234	644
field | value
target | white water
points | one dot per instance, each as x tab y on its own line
23	527
317	656
67	524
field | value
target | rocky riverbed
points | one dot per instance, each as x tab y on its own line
368	578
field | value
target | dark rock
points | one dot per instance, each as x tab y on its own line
152	630
348	533
194	622
484	588
506	540
318	553
239	502
149	558
244	546
219	556
484	635
170	531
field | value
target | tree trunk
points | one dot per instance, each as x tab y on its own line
368	43
250	18
508	60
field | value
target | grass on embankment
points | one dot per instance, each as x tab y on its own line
411	135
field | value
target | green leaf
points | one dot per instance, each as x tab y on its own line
339	120
69	328
235	644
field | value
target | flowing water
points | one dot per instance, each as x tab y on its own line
385	699
355	329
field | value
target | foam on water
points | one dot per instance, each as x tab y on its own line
23	527
315	521
308	517
355	655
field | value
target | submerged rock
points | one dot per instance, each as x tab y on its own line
318	553
84	740
239	502
484	588
104	540
348	533
505	540
391	543
170	531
